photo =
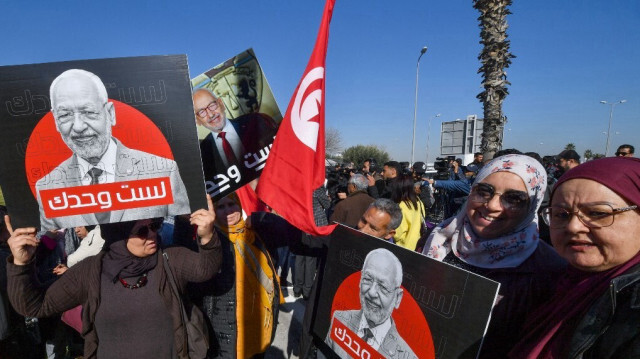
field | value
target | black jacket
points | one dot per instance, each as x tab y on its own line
611	326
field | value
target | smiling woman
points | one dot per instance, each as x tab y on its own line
496	236
595	225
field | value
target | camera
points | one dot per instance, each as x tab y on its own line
373	167
442	165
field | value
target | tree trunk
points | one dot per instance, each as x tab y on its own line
495	58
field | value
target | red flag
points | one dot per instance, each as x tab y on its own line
295	166
249	200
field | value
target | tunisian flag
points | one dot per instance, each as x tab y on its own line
295	166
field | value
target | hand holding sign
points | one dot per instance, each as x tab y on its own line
23	243
204	220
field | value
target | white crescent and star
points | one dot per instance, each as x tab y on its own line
306	109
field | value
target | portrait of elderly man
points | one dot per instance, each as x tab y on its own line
229	140
380	294
84	117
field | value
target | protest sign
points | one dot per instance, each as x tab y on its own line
98	141
237	119
412	306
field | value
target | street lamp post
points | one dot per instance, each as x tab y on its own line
415	105
612	104
428	134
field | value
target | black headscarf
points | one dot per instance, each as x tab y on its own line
119	262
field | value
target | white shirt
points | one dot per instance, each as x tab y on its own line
234	140
89	246
379	332
107	164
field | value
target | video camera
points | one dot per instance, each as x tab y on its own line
442	165
373	167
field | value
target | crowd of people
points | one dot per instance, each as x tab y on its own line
561	237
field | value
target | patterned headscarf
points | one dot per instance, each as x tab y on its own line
456	234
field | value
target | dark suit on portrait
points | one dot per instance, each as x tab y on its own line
392	346
130	165
256	131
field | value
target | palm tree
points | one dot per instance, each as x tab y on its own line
495	58
570	146
588	154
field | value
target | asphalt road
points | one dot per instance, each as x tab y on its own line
287	341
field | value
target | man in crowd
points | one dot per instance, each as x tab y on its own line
380	294
229	140
568	159
368	166
373	174
453	191
475	166
382	188
84	118
349	210
625	151
422	189
381	219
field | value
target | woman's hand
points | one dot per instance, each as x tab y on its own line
204	220
23	243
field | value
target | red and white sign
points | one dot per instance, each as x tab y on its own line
106	197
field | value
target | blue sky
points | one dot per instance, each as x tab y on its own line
570	55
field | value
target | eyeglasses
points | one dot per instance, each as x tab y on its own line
368	281
510	199
213	107
622	154
65	116
143	232
591	215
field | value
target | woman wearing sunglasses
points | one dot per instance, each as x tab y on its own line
129	308
594	224
495	235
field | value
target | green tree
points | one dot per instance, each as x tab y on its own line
570	146
357	154
495	58
598	155
588	154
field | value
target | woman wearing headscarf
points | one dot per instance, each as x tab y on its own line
242	300
495	235
129	308
594	224
413	212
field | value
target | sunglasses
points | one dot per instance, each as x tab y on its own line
509	199
622	154
143	232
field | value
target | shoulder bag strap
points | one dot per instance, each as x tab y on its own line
169	272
